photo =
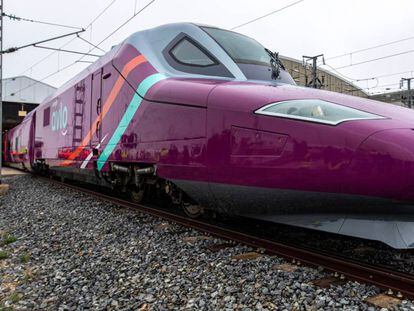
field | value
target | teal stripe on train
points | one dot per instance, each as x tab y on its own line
133	106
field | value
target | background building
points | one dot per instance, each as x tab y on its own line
395	97
330	81
20	95
335	83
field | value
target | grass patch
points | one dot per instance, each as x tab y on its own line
9	239
15	297
26	278
3	255
28	275
24	258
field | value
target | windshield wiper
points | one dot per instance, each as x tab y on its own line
275	63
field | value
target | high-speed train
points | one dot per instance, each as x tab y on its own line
211	118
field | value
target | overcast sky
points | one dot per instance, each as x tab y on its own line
331	27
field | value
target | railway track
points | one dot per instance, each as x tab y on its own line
384	278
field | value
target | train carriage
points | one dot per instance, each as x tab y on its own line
211	118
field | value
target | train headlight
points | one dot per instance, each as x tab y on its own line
315	110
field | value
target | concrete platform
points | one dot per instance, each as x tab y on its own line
8	171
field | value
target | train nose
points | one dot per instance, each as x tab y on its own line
384	165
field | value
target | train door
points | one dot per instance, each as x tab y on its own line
96	108
6	148
32	136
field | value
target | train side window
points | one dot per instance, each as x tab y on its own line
46	116
186	52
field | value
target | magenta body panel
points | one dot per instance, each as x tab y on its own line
206	130
204	134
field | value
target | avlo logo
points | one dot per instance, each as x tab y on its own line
59	117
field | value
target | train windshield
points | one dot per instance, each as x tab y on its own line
242	49
250	55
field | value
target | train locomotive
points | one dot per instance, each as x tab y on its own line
212	119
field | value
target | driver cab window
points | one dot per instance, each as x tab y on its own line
188	53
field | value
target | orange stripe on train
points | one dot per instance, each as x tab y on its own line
132	64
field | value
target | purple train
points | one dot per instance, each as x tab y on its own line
211	118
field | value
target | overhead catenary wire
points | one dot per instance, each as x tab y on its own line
117	29
375	59
350	81
14	49
356	87
44	78
65	50
46	57
377	85
62	46
100	14
370	48
374	77
345	54
266	15
366	89
17	18
381	86
90	43
346	77
70	41
84	61
80	59
388	91
371	78
397	73
127	21
371	60
135	14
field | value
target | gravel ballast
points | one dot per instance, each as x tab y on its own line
63	250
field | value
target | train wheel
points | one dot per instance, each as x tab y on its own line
193	211
137	195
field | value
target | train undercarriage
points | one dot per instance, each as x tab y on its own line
357	216
139	182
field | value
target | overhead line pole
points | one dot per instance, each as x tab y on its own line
409	96
1	89
315	82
